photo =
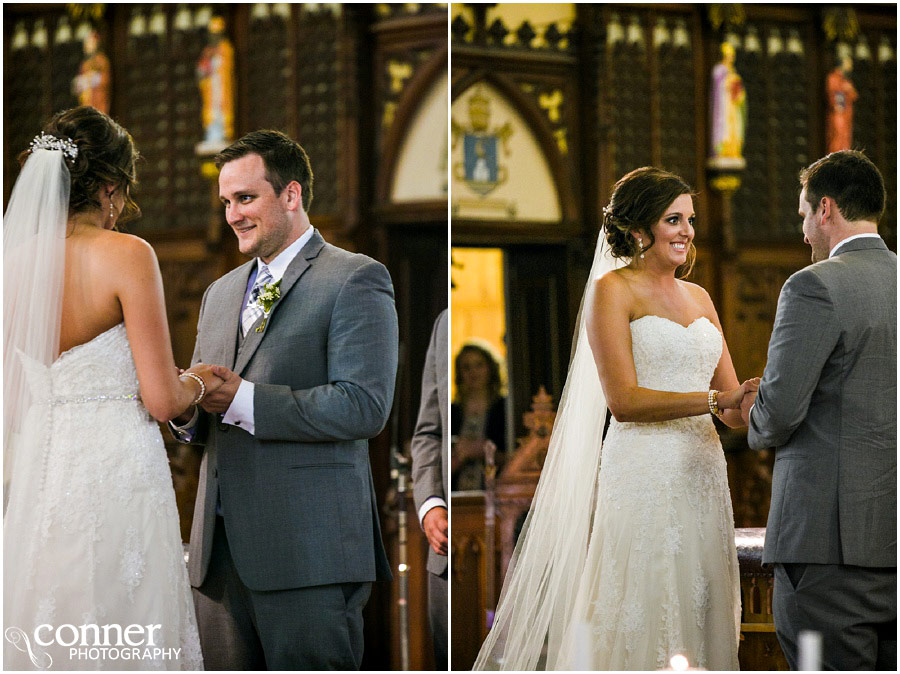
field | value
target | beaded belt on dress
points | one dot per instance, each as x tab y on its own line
70	400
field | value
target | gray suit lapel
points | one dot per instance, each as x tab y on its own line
231	314
294	271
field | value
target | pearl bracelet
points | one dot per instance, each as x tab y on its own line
712	399
197	378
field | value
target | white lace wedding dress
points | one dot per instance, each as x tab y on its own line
105	546
661	575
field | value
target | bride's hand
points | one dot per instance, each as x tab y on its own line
205	372
731	400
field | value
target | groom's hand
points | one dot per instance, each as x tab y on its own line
435	525
219	400
746	403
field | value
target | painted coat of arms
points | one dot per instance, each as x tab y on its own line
481	168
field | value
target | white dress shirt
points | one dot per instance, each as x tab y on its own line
867	235
430	502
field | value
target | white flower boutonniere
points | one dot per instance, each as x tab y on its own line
270	294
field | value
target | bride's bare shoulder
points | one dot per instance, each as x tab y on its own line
123	253
613	294
616	282
126	244
697	291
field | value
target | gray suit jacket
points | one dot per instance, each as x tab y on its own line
827	403
432	435
297	497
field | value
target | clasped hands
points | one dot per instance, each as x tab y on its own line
221	386
740	398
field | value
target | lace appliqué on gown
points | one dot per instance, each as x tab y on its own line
661	574
106	547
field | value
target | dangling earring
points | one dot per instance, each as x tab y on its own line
112	211
641	246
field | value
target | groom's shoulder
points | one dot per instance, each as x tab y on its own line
229	277
237	271
341	262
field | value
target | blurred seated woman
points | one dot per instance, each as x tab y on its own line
477	415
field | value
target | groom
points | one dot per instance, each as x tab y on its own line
827	403
286	541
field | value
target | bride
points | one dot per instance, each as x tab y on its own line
94	573
624	564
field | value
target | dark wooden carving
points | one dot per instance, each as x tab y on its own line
759	648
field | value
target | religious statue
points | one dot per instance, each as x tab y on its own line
841	95
728	104
215	72
91	84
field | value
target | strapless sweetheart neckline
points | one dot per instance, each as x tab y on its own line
669	320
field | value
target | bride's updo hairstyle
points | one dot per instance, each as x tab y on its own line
106	156
639	199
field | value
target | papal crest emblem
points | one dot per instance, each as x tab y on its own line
480	168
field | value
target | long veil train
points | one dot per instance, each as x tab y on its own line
539	591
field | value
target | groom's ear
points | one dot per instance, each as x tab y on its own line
828	208
293	194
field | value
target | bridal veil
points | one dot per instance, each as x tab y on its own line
34	239
539	591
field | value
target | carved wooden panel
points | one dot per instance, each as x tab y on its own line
467	580
875	112
268	70
630	93
158	80
186	198
887	58
24	87
751	287
538	342
318	65
677	105
143	83
67	56
775	66
752	217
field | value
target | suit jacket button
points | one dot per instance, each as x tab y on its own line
223	427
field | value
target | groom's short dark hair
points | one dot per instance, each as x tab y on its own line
851	179
285	160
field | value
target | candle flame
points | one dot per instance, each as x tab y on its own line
679	663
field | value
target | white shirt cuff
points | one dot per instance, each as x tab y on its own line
185	432
240	412
431	502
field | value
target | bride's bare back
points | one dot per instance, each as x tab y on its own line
91	303
110	277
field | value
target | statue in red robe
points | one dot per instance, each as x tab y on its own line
841	96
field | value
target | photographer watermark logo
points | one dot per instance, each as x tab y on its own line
91	642
20	640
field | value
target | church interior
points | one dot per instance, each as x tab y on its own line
363	88
550	105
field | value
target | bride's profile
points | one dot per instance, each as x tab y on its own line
91	534
626	562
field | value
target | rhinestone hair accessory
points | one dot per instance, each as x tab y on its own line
44	141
